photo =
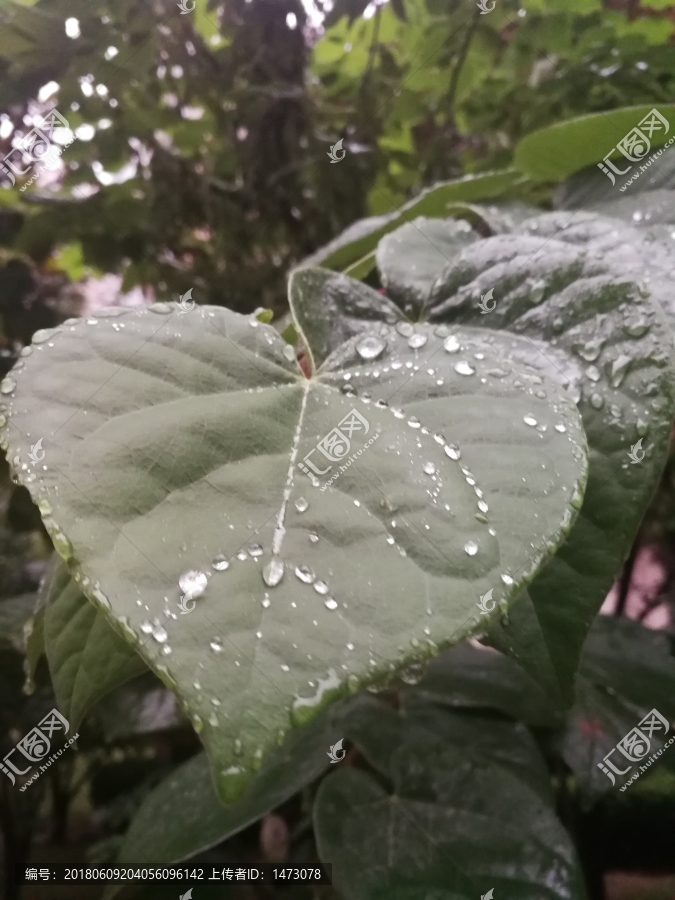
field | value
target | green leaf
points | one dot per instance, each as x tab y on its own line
429	245
485	679
575	291
445	198
164	434
557	151
348	308
626	671
157	834
87	659
468	810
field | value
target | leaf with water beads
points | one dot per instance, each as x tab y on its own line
175	447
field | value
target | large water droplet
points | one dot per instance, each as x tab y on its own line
464	368
453	451
193	583
305	574
7	386
370	347
416	341
273	572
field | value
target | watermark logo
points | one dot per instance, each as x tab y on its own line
336	444
635	746
335	152
186	896
484	10
37	454
336	752
484	303
185	8
184	604
36	146
485	600
35	746
487	896
186	303
636	453
635	145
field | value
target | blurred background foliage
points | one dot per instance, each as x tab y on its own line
201	161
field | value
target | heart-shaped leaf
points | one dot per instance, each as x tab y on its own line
469	810
589	303
178	449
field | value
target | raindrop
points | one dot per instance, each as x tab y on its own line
390	539
398	413
146	627
220	563
597	401
405	329
193	583
429	468
452	344
266	601
530	420
7	386
242	556
482	506
471	547
464	368
313	537
160	635
593	373
330	603
439	438
289	352
414	422
321	587
561	428
619	369
301	504
305	574
370	347
255	550
416	341
507	579
273	572
216	645
636	329
453	451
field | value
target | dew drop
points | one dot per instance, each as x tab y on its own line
7	386
370	347
405	329
146	627
273	572
597	401
301	505
398	413
160	635
242	556
429	468
255	551
220	563
313	537
561	428
593	373
530	420
453	451
330	603
193	583
464	368
321	587
216	645
414	422
305	574
417	340
471	548
266	601
452	344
